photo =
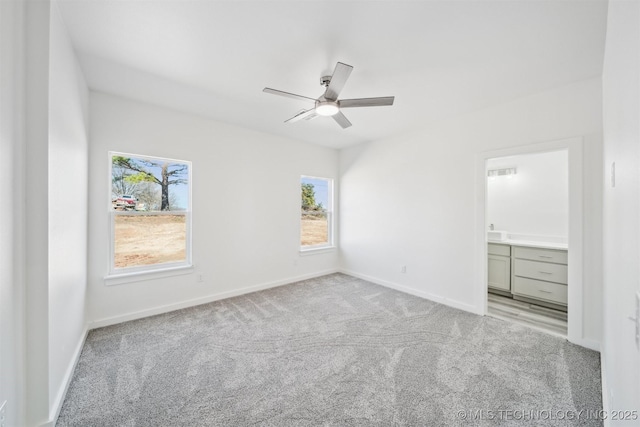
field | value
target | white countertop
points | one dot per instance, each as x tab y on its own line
531	244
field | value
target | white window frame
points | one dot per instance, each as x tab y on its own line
330	219
127	274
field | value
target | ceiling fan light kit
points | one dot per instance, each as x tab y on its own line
328	105
327	108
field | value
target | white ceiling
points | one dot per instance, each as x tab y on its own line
438	58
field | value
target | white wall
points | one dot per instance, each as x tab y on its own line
36	261
621	90
12	333
68	193
246	206
43	153
534	201
411	200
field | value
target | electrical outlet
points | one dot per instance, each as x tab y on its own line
403	270
3	414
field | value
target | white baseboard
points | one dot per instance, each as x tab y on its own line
54	410
203	300
426	295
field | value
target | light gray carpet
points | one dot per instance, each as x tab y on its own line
332	351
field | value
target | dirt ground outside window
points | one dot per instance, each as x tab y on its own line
149	239
314	231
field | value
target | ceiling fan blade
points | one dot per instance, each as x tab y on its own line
305	114
287	94
338	80
366	102
342	120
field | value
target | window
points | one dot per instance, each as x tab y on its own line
316	212
150	209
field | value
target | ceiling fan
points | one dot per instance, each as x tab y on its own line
328	103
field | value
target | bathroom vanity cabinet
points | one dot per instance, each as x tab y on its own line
499	267
534	274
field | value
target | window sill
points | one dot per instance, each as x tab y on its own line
317	250
139	276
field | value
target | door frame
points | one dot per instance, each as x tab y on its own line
574	146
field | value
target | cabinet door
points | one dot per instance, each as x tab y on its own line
500	272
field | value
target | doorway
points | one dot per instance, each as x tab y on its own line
574	238
527	214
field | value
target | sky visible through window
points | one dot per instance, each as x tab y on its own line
321	188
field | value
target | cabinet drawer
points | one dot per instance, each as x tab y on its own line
540	270
537	254
547	291
495	249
